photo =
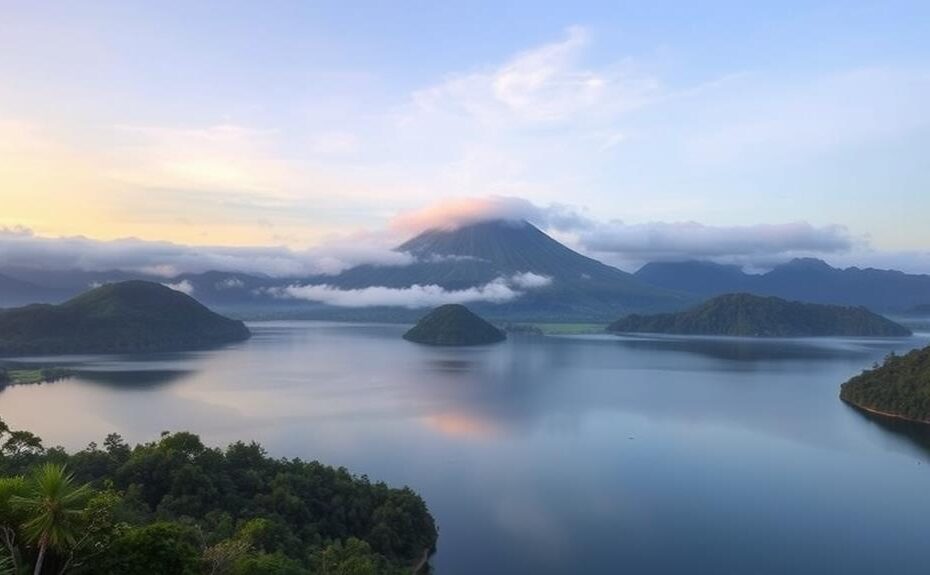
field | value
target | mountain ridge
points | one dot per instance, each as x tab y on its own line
802	279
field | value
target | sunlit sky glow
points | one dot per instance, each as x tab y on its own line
287	124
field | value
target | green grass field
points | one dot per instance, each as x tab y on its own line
568	328
29	376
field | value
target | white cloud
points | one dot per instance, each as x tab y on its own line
500	290
19	247
545	84
182	286
529	280
413	297
688	240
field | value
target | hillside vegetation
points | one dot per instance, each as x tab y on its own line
131	316
750	315
899	387
453	325
175	506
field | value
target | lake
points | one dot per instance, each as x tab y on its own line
596	454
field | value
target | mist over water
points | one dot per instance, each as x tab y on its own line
551	454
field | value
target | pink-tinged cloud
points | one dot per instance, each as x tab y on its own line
459	212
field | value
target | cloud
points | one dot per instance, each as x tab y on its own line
413	297
529	280
459	212
689	240
615	242
19	247
500	290
542	85
182	286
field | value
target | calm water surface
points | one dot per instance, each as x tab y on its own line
552	454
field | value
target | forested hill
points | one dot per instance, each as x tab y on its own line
750	315
130	316
454	325
175	506
900	387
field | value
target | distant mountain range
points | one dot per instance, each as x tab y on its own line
806	279
567	286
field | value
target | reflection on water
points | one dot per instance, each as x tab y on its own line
917	433
133	378
551	454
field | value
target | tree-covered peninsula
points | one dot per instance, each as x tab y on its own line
124	317
175	506
900	387
760	316
454	325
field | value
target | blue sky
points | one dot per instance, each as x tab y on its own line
275	123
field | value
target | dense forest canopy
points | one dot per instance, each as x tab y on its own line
750	315
176	506
131	316
899	387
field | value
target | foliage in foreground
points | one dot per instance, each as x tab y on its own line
175	506
900	386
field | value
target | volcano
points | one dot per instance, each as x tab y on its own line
569	286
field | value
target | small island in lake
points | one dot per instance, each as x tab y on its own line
124	317
760	316
898	388
454	325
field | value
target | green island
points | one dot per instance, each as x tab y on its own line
454	325
25	375
123	317
176	506
761	316
898	388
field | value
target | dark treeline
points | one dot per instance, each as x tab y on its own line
176	506
759	316
899	387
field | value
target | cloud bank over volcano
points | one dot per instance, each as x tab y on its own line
627	245
460	212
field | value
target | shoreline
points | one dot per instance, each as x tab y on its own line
422	562
886	414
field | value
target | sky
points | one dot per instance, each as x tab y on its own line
248	132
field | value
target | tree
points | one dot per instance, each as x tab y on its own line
155	548
22	444
53	507
11	518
